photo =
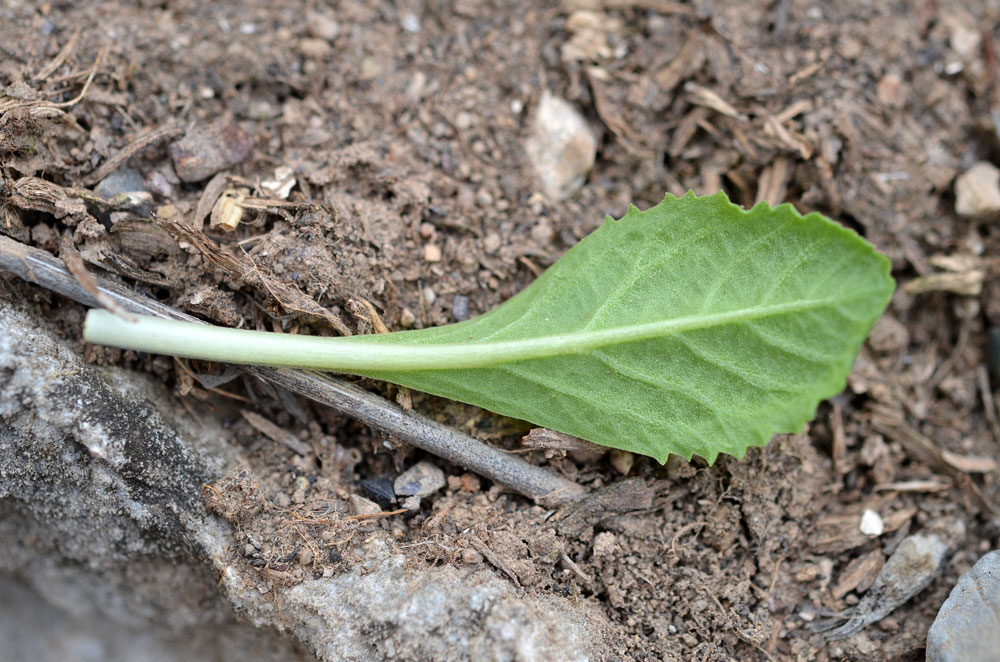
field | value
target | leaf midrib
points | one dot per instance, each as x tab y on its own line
473	354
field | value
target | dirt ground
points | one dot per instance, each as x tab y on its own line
404	124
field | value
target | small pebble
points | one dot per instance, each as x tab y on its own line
977	192
967	626
491	243
422	479
483	198
460	308
411	23
205	150
891	91
120	181
605	544
323	26
471	556
411	503
281	500
406	318
432	253
380	490
157	184
621	460
430	296
363	506
561	147
334	555
305	556
469	483
427	230
542	232
315	49
281	184
871	523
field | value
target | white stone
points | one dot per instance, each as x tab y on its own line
977	192
562	148
871	523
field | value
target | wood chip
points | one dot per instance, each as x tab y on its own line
494	559
930	485
773	184
888	423
859	574
703	96
228	209
685	130
626	496
796	108
789	139
969	463
275	433
209	195
839	446
544	438
74	263
969	283
658	6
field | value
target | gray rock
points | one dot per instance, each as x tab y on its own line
460	308
386	609
967	628
120	181
103	521
101	515
34	630
422	479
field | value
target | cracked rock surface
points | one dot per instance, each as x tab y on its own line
109	548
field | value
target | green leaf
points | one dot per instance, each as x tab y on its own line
694	328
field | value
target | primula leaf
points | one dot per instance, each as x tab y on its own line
693	328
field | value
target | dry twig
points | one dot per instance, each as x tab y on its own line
41	268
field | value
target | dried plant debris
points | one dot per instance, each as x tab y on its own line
915	563
248	272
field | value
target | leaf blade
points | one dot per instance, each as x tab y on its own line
660	387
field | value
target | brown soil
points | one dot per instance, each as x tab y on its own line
406	128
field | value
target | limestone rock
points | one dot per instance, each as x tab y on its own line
977	192
105	531
562	148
